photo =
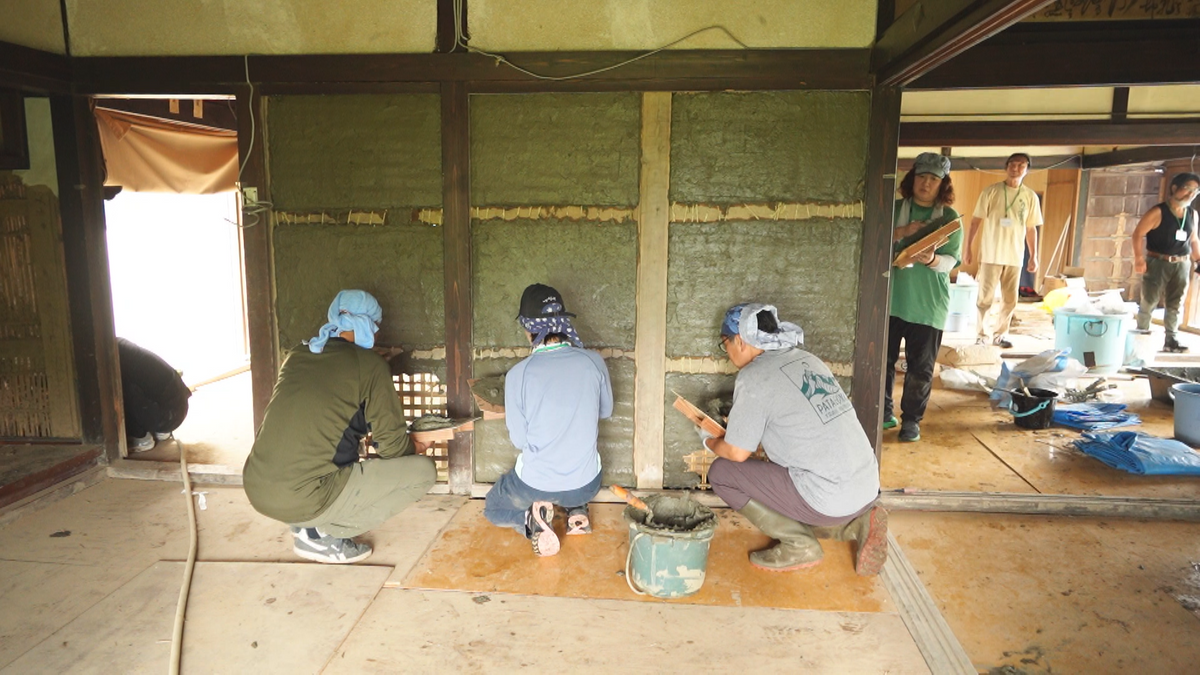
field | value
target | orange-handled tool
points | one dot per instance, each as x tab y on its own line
629	498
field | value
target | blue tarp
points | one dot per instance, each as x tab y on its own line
1094	416
1141	453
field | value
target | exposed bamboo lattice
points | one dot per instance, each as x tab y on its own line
423	394
25	406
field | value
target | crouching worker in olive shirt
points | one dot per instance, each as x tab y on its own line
822	478
304	468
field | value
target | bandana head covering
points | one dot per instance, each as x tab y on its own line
542	313
351	310
789	334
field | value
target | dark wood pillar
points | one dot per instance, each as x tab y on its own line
85	250
456	232
256	253
870	346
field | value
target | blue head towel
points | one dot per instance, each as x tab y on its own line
352	310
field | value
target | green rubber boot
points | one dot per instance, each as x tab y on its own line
869	531
797	547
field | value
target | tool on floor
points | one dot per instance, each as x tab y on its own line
1092	391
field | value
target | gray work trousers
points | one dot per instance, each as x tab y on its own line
377	490
1163	278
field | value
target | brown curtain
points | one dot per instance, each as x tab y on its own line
148	154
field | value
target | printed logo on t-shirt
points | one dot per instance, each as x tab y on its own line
822	391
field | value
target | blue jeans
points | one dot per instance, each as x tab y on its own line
510	498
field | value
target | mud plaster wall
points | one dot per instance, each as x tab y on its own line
494	454
355	152
556	150
732	148
338	153
535	149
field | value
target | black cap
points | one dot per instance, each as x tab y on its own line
541	300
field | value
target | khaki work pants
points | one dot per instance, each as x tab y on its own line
377	490
1009	278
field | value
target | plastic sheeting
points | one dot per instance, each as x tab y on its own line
1141	453
1094	416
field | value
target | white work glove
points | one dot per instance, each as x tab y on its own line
704	436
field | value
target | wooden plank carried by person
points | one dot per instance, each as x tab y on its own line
934	240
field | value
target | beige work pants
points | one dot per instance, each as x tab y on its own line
1008	277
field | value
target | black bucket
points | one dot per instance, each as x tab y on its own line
1035	411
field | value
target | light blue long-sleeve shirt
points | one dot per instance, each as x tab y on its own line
553	403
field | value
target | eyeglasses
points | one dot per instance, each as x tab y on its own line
722	346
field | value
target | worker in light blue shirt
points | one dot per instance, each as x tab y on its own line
553	403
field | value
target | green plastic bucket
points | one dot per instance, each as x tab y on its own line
668	557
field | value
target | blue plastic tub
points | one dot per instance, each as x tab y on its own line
1095	340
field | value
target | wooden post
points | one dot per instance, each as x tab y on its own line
256	253
89	291
456	256
870	338
651	341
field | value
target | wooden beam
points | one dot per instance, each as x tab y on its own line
257	260
14	143
1153	153
1039	504
649	394
1120	104
85	251
1181	131
1100	53
446	34
997	163
34	71
218	113
932	32
689	70
870	338
456	260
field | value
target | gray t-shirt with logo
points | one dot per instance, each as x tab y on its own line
789	402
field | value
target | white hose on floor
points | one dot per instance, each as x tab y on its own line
177	636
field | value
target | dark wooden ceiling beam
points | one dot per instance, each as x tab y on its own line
673	69
1183	131
932	32
997	163
1154	153
1100	53
33	71
217	114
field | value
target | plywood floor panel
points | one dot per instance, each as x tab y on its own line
242	617
1058	594
502	633
474	555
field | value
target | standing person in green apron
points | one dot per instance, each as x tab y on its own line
1164	242
921	291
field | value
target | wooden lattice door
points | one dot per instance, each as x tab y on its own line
37	378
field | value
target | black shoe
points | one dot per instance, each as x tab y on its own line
1001	342
539	528
1172	345
910	431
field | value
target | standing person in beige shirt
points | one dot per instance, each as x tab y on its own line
1006	218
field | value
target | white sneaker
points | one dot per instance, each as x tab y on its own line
142	443
163	437
325	548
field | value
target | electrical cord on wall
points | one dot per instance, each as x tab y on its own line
252	209
460	40
185	589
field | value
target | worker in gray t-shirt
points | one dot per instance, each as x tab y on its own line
822	479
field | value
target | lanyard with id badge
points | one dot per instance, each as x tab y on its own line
1007	220
1182	234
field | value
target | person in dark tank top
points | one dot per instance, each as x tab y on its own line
1165	246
